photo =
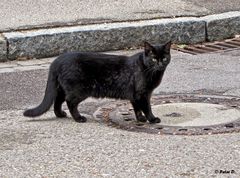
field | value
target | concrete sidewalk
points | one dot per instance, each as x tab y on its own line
179	20
28	14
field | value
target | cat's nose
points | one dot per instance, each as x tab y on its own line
160	64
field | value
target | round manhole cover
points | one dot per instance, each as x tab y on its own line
180	114
195	114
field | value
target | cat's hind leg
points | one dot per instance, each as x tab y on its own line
72	103
60	98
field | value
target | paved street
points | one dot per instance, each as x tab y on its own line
46	146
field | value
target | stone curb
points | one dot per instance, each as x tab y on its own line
104	37
3	48
222	26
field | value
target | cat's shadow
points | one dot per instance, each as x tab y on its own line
52	119
47	119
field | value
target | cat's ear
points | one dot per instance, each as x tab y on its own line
167	47
147	47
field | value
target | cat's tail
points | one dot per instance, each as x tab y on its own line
50	95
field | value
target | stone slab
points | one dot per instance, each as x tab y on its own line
8	65
3	49
103	37
31	62
222	26
6	70
233	92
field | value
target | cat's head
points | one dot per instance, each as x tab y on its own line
157	57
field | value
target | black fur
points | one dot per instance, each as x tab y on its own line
73	77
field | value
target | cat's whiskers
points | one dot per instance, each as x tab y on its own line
152	73
155	69
149	69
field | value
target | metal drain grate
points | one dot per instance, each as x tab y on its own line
209	47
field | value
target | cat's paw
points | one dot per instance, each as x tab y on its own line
154	120
61	114
80	119
141	119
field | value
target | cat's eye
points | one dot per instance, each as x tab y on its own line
154	60
164	59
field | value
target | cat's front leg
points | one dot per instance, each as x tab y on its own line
144	104
138	113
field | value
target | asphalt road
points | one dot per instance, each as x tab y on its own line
200	74
50	147
42	13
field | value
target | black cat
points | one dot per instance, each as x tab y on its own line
73	77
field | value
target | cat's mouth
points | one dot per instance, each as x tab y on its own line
162	68
159	68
